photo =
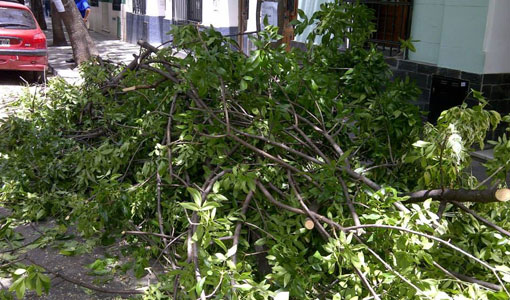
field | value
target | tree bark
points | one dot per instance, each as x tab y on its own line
83	45
59	38
257	14
38	10
461	195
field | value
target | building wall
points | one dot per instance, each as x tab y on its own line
427	25
451	33
222	14
104	19
155	24
497	38
168	10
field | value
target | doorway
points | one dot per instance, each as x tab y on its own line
105	14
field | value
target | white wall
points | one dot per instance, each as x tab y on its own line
450	33
168	10
95	21
497	38
107	24
156	8
252	13
220	13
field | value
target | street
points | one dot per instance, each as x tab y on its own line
12	86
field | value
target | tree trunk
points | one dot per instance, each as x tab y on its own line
38	10
59	38
83	45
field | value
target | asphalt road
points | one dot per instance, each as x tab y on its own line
12	86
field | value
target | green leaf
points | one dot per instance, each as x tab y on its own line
20	272
38	286
421	144
221	244
68	251
190	206
209	206
244	286
19	287
261	242
232	251
195	195
244	85
200	285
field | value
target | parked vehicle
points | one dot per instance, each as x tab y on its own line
22	42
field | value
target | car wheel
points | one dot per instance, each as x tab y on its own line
39	76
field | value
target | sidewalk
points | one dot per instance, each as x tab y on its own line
109	48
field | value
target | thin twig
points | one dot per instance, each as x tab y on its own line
169	137
465	278
350	205
160	217
489	178
131	232
237	231
480	219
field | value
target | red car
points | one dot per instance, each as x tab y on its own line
22	42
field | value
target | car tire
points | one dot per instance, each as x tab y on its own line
39	77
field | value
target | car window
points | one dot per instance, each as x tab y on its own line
16	18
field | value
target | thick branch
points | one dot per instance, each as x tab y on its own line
461	195
320	228
296	210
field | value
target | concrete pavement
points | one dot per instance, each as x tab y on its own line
109	48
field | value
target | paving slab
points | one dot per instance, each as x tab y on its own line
109	48
483	155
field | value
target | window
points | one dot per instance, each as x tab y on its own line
14	18
185	11
195	10
139	7
116	4
393	23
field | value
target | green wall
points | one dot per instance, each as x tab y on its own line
451	33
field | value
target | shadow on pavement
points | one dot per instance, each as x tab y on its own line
15	77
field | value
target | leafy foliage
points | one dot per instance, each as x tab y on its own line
213	159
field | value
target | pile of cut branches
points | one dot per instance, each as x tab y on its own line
249	177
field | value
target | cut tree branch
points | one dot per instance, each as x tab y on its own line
460	195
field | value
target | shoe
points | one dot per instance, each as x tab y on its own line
71	60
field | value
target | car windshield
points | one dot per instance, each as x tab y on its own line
16	18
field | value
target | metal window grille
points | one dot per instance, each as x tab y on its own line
116	4
180	11
195	10
139	7
186	11
94	2
393	23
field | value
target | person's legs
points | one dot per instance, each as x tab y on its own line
47	8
